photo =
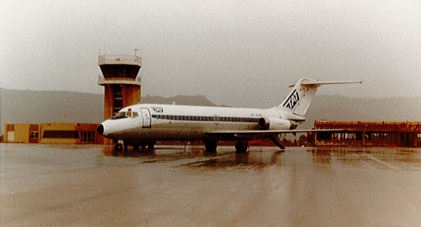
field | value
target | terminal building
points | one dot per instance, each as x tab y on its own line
368	134
53	133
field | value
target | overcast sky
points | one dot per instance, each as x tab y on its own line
234	52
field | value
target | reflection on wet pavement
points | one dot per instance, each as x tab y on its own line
185	186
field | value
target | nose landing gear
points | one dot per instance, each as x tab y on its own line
120	146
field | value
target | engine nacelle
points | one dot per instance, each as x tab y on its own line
274	124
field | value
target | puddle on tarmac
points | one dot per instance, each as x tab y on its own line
178	186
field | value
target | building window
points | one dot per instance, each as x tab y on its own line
324	135
56	134
381	136
34	135
117	99
88	137
10	128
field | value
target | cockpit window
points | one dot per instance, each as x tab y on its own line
120	115
124	114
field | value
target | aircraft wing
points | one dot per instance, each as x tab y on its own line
271	134
263	133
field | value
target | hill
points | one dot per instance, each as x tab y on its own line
198	100
62	106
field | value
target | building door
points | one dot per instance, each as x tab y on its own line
146	117
407	139
11	136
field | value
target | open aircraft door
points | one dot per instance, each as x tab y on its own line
216	119
146	117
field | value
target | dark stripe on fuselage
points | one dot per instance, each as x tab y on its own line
204	118
297	120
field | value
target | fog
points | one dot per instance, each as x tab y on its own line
236	53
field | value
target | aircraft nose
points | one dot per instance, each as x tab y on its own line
100	129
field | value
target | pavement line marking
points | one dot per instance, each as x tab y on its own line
381	162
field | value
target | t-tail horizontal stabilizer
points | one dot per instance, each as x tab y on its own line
308	82
302	94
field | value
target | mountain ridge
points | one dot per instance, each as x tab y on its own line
27	106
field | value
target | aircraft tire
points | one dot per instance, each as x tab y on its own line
241	146
211	145
118	147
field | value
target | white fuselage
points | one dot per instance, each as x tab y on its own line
151	122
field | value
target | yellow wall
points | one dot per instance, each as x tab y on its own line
57	127
82	133
22	133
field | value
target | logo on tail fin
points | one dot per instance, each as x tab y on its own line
292	100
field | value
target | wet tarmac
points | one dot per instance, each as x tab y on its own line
69	185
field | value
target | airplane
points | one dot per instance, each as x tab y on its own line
144	124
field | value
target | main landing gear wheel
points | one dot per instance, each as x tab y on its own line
210	146
118	147
241	146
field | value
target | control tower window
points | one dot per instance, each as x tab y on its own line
117	99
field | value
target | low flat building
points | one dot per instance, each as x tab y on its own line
53	133
368	134
21	133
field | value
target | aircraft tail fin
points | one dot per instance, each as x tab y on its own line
299	99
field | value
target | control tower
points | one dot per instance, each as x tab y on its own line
120	81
